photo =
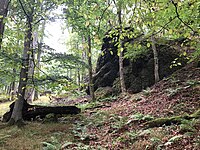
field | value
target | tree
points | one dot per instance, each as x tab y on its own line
83	18
16	117
120	47
30	91
39	52
31	18
155	54
89	55
3	13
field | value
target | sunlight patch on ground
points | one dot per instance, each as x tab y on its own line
43	100
4	107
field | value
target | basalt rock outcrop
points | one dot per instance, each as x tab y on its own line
139	74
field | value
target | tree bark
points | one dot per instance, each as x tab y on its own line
121	68
8	91
155	55
13	91
30	91
16	117
78	71
84	57
79	77
3	13
89	54
36	94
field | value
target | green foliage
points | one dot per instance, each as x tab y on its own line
188	126
132	137
117	122
140	117
80	146
48	146
81	132
53	143
163	19
3	138
104	93
193	83
99	118
173	139
172	92
197	142
196	114
88	105
136	50
108	99
155	141
147	92
50	118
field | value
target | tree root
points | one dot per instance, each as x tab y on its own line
19	123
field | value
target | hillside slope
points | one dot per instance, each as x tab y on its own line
175	95
119	124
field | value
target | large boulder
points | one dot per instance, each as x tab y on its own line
139	74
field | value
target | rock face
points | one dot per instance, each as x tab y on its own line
107	65
139	74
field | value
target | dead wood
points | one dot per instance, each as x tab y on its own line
31	112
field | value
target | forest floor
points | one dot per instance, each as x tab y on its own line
129	121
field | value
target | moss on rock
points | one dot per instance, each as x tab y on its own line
172	120
103	92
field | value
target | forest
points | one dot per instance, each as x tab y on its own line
99	74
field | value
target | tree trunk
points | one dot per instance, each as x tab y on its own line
3	13
30	91
5	89
78	71
36	95
13	91
84	57
89	54
16	117
121	68
9	89
79	77
70	73
155	55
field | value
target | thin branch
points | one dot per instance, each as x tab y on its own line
163	27
102	17
178	16
42	18
49	77
24	9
